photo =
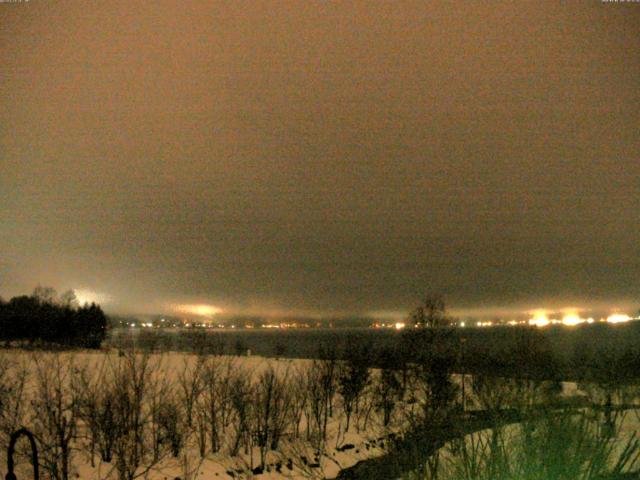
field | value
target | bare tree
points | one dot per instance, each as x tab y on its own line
317	404
170	426
438	392
45	294
431	312
300	392
321	380
241	393
214	404
190	385
387	390
271	402
55	409
190	465
68	299
327	353
353	377
131	385
165	427
13	379
493	393
96	412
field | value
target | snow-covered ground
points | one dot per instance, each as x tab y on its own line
295	456
299	453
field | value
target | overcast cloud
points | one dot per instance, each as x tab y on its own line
321	157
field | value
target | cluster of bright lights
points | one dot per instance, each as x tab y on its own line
572	319
396	325
540	319
484	324
618	318
284	325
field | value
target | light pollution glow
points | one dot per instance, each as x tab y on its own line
86	295
540	318
202	310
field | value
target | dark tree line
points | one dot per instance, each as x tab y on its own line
44	318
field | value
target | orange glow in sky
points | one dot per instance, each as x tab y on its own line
202	310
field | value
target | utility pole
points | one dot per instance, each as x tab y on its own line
464	396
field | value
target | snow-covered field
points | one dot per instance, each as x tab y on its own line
190	417
185	381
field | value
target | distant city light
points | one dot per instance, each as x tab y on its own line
618	318
539	319
572	320
484	324
399	325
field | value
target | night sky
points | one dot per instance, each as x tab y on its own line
321	157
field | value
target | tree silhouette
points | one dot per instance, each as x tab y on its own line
431	312
45	318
